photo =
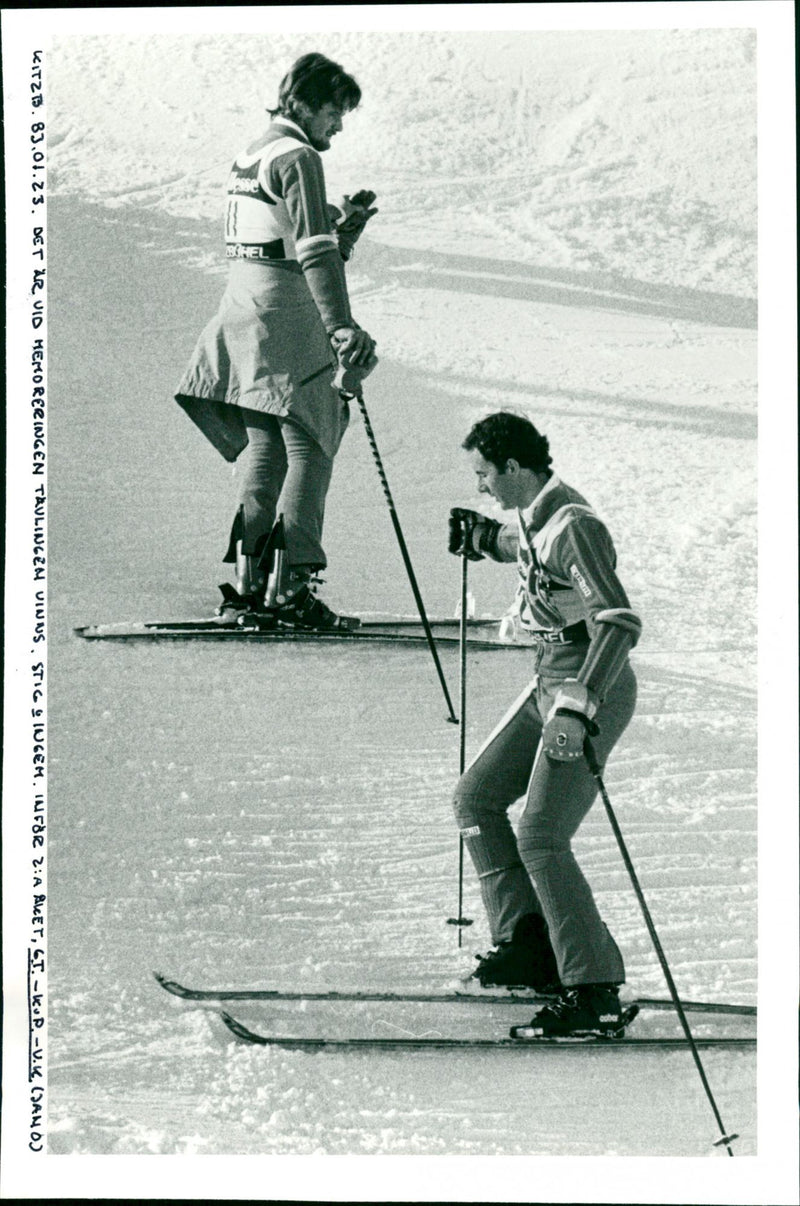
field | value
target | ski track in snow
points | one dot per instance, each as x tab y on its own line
281	817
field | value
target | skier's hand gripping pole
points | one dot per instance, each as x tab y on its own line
568	722
355	352
471	534
594	767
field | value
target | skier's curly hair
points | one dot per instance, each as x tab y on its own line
314	81
504	436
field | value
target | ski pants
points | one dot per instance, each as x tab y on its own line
536	871
284	471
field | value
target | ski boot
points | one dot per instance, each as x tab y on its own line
251	579
525	961
584	1011
296	605
244	604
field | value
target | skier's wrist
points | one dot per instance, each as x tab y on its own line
486	536
576	697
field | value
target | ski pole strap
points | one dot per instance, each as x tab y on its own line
591	757
589	725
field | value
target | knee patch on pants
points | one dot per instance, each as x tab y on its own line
538	845
538	859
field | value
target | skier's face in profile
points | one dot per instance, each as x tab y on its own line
499	484
321	124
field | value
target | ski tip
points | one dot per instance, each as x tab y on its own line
171	986
234	1026
239	1031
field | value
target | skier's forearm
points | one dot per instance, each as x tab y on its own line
617	632
507	544
324	272
301	183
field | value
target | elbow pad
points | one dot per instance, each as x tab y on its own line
618	630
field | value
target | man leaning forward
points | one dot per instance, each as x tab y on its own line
545	925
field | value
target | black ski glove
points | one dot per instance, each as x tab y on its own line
569	722
472	534
353	213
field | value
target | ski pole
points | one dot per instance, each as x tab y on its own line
461	920
404	551
594	767
462	658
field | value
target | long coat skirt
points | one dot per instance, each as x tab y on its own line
267	350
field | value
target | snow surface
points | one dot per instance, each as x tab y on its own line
567	227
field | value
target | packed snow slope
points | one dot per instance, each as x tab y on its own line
612	152
567	227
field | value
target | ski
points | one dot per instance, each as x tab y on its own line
434	1043
447	998
481	634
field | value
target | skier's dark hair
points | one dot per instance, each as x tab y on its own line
502	436
315	81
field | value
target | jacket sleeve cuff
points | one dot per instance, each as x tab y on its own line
506	544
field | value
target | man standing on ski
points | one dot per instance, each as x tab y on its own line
260	382
545	926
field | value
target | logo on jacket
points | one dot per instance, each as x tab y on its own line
242	184
583	585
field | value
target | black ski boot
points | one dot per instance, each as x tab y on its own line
247	598
526	961
583	1011
239	607
297	606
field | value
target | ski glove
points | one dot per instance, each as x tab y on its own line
350	216
472	535
569	722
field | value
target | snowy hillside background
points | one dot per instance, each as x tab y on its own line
567	226
628	152
529	187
